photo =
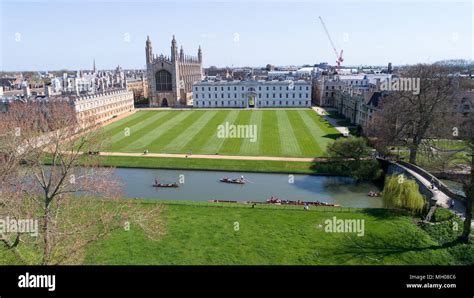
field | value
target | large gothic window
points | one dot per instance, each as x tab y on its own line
163	81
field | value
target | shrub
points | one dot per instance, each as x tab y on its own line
442	214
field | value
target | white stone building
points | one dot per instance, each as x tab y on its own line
251	94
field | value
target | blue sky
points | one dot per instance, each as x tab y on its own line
61	34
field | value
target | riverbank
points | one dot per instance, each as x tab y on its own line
255	166
214	156
203	233
230	234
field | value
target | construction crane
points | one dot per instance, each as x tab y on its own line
339	58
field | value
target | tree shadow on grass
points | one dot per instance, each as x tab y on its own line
382	213
333	136
377	248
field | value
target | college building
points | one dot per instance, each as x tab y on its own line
170	78
251	94
103	107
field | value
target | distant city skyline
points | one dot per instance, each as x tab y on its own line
53	35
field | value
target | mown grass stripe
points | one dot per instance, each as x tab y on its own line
315	130
289	143
171	134
232	145
329	133
136	127
204	135
139	133
280	132
181	141
248	147
115	124
308	146
151	141
214	143
269	140
119	126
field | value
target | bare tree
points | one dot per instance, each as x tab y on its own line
458	160
76	201
408	118
467	133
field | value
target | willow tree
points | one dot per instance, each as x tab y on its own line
400	192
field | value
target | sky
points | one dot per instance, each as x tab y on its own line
70	34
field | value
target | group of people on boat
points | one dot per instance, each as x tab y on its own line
240	180
157	184
277	201
373	194
318	203
273	200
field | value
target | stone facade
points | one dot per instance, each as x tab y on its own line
252	94
103	106
170	78
139	88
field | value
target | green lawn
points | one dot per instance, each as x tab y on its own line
434	162
202	234
263	166
293	133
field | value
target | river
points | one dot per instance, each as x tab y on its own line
205	185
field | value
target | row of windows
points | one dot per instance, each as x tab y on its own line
352	83
88	106
203	95
332	94
332	87
259	88
222	103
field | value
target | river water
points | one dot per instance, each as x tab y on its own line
205	185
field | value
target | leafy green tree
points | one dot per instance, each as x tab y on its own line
400	192
353	156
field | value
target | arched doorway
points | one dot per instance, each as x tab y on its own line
251	97
164	102
251	101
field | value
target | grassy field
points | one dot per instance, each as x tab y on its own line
202	234
257	166
434	162
292	133
218	164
